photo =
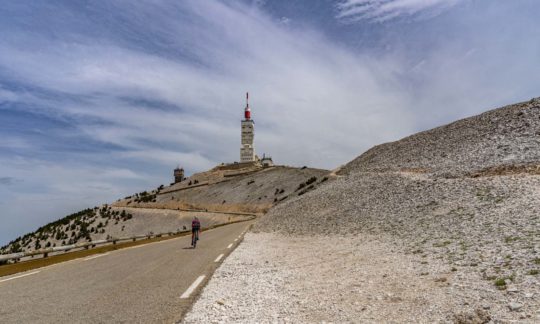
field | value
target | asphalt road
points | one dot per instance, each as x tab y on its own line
142	284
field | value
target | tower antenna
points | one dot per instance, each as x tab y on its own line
247	99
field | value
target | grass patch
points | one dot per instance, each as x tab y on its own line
500	283
533	272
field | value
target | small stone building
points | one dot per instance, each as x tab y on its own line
266	161
178	174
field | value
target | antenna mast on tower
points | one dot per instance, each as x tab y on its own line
247	111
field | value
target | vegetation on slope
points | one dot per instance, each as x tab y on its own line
71	229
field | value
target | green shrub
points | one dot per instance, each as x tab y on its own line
311	180
500	283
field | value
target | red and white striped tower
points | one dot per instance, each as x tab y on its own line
247	150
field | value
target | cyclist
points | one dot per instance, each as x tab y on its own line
195	229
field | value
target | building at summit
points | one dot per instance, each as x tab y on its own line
247	149
248	157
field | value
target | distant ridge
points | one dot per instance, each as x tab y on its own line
505	136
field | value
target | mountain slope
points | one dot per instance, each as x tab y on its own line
465	194
506	136
251	189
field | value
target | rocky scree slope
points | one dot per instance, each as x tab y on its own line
164	209
254	191
466	194
508	136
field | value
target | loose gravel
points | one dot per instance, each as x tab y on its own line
275	278
442	226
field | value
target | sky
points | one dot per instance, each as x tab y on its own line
102	99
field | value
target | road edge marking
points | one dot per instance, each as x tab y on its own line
219	257
229	246
20	276
193	286
96	256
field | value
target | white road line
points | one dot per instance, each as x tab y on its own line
148	244
192	288
96	256
219	258
230	246
235	239
16	277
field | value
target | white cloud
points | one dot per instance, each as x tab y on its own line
306	92
43	191
384	10
315	100
189	161
7	96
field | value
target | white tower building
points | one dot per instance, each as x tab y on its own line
247	150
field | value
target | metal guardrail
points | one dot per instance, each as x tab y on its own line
114	240
86	245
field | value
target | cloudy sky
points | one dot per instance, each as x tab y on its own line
100	99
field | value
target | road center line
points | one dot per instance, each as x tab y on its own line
96	256
193	286
219	258
230	246
17	277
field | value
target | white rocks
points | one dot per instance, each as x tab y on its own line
514	306
449	196
494	138
277	278
512	289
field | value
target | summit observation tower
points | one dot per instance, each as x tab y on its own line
247	150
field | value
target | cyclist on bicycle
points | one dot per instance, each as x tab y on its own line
195	229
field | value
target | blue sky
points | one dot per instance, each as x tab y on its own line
100	99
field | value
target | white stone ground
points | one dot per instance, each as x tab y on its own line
272	278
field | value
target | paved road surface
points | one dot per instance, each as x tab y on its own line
142	284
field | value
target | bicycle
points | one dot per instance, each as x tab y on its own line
195	228
194	239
